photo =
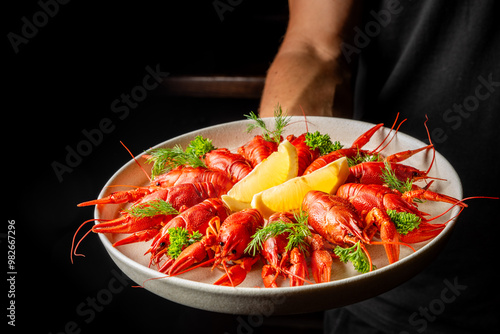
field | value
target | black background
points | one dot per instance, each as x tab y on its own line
64	80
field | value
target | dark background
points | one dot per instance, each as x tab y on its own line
64	80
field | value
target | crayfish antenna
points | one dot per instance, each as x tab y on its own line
378	149
462	206
73	247
417	178
149	279
171	275
137	162
367	254
430	142
383	141
392	243
288	272
201	264
228	274
393	136
305	118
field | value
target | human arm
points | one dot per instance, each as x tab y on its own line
309	71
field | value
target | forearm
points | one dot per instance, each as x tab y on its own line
302	82
309	75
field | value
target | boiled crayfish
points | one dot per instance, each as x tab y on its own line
228	243
189	225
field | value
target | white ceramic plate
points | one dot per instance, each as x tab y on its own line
195	289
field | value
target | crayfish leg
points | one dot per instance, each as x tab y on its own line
365	137
431	196
321	265
236	274
401	156
118	197
388	232
269	276
145	235
298	269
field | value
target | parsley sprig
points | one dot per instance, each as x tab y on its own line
356	255
180	238
405	221
322	142
199	146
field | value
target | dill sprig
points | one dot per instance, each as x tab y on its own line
405	221
298	233
322	142
389	177
362	157
180	238
166	159
301	217
151	209
280	122
354	254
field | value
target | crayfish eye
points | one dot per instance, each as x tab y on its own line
158	183
221	244
233	251
162	244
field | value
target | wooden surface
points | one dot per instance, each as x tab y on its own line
214	86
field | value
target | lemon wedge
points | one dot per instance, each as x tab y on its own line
288	196
279	167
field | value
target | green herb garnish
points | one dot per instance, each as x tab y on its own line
200	146
281	122
166	159
362	157
389	177
356	255
298	232
152	208
405	221
180	238
322	142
